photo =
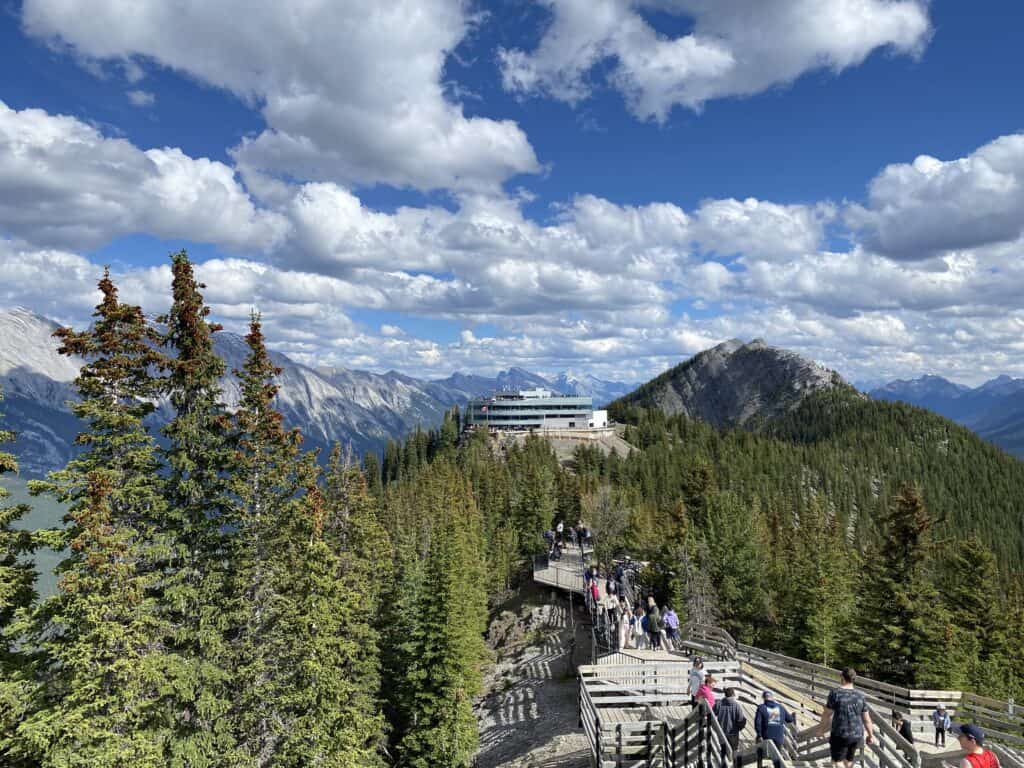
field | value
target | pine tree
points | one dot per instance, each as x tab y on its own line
18	664
198	455
439	615
360	554
972	584
106	669
268	476
906	628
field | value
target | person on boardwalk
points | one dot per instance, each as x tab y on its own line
695	679
671	622
654	625
642	638
846	719
611	587
706	692
625	622
559	531
941	721
613	610
770	720
972	741
595	590
730	716
902	725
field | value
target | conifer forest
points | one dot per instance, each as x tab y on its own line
227	598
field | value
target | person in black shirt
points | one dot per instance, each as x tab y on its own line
901	724
846	719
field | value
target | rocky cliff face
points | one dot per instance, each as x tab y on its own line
735	384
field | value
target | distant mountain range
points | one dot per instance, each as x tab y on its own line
995	410
734	384
329	405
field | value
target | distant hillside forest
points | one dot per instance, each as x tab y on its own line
225	600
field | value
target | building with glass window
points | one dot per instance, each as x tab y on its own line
533	409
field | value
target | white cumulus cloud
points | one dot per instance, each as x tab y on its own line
737	48
64	184
351	91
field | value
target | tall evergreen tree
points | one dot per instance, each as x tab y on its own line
107	671
359	554
268	476
906	629
18	664
439	615
198	456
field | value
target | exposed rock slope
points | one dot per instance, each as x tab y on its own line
735	384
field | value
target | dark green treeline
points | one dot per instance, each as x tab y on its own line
225	597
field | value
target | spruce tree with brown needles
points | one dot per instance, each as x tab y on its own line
106	671
198	456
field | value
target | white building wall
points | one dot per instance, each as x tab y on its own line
599	419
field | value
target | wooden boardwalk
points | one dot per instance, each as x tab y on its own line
635	710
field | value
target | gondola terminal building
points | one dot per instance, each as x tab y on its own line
530	409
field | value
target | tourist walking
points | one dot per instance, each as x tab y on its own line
770	720
846	719
902	725
706	692
625	620
613	612
654	625
559	529
730	716
695	679
972	741
671	622
942	723
611	587
637	624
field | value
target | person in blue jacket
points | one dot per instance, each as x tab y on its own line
770	720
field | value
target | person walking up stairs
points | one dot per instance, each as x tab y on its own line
847	721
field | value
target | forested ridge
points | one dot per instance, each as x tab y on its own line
227	598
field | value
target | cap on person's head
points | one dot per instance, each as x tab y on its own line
942	707
768	696
971	731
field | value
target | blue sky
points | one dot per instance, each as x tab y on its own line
602	185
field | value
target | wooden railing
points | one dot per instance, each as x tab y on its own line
1002	720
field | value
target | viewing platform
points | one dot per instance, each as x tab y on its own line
635	706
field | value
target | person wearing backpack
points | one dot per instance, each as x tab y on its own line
972	741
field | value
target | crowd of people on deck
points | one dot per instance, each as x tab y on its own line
561	537
845	719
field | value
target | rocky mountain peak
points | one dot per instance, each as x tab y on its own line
736	384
